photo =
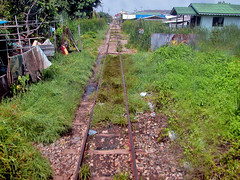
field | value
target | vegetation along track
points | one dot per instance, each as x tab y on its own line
107	155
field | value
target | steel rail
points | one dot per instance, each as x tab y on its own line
90	117
134	166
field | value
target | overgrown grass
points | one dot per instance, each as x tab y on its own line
110	107
43	113
199	92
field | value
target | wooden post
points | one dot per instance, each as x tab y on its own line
55	38
183	22
37	25
176	21
19	38
61	20
80	41
50	29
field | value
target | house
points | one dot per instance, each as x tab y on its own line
208	15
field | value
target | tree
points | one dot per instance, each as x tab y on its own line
82	8
19	7
73	8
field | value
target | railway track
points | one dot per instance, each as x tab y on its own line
106	152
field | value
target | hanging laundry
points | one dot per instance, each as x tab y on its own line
31	64
35	61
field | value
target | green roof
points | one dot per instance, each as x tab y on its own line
216	9
208	9
183	11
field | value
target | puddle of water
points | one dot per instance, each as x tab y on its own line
92	86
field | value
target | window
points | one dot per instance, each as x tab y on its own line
198	20
218	21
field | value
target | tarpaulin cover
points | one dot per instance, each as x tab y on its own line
16	67
3	22
4	86
45	62
35	61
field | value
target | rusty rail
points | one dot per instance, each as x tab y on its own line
132	148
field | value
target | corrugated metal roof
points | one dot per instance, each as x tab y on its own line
146	16
182	11
147	13
216	9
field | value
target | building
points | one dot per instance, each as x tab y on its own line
147	15
208	15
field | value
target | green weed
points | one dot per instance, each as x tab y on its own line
122	176
84	172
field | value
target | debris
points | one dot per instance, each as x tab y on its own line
100	104
151	106
153	114
172	135
47	42
143	94
64	50
186	166
92	132
35	43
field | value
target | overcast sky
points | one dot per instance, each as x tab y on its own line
115	6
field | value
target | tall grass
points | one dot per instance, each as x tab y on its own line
226	38
43	113
87	25
143	41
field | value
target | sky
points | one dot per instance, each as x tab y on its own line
114	6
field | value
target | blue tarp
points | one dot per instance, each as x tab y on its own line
144	16
3	22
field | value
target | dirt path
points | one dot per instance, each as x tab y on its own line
107	151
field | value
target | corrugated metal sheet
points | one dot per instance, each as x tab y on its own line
146	16
161	39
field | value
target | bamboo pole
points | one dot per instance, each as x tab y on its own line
37	24
19	38
6	42
80	41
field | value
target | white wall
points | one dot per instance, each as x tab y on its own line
129	16
206	21
232	21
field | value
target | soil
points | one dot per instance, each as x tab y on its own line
107	152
